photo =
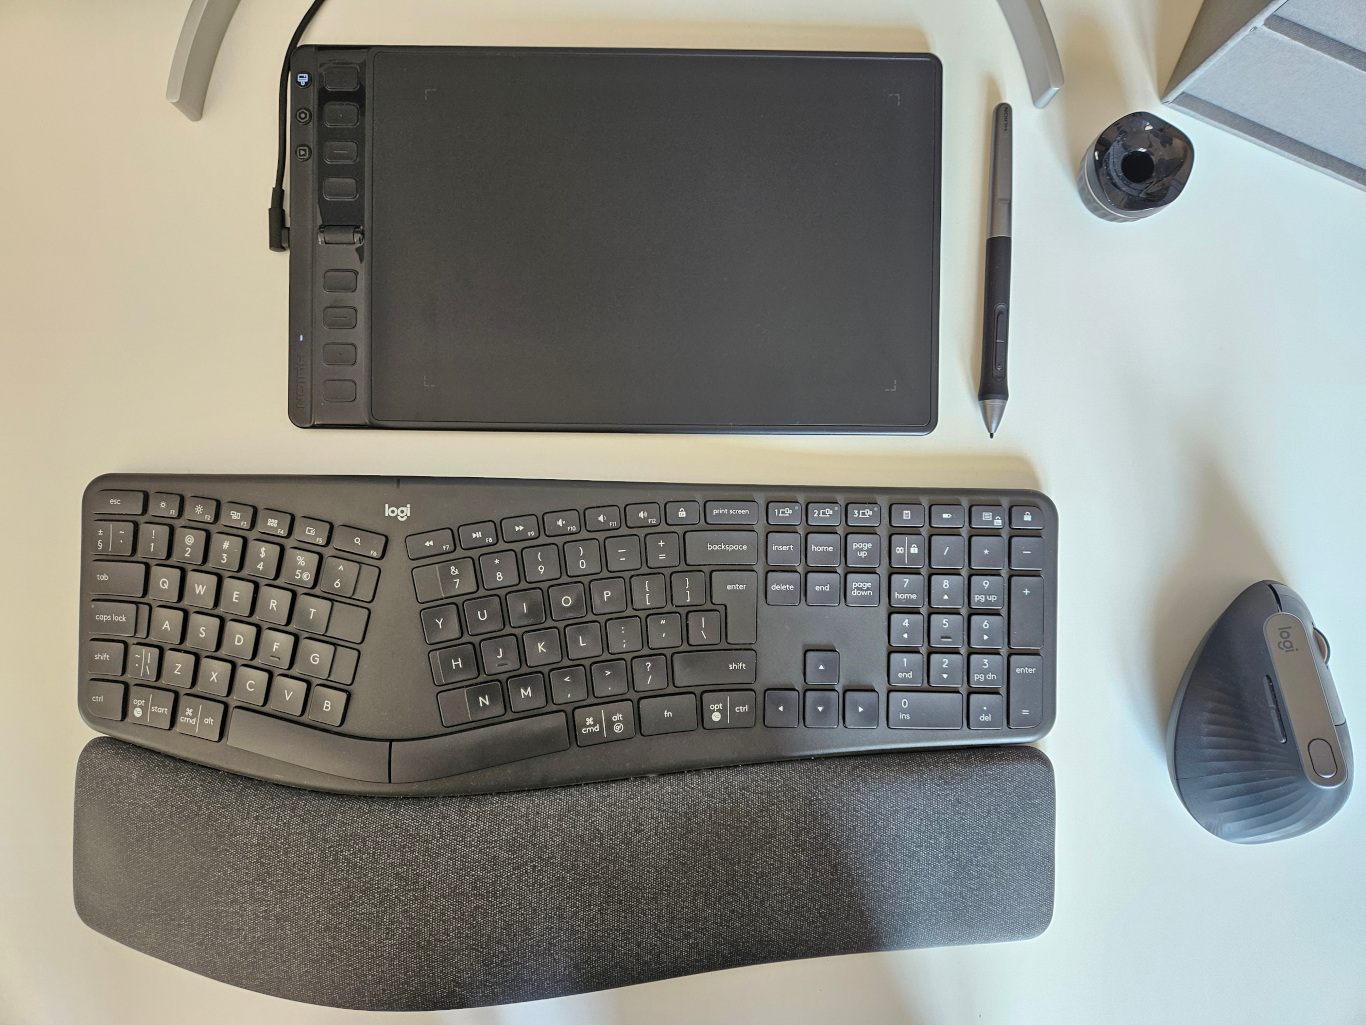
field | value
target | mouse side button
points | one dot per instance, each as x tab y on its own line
1321	756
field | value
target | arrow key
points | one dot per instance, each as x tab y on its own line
781	709
822	709
860	709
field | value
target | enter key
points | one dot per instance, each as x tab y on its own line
738	592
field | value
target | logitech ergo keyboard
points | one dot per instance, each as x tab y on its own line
425	635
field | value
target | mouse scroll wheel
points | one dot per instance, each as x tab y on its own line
1322	642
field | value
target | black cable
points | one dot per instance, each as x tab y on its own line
279	231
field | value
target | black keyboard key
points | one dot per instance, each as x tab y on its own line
906	630
237	597
822	667
650	672
238	516
144	662
688	589
723	512
453	665
609	678
604	723
822	589
784	549
239	641
520	528
154	541
649	591
861	711
784	514
946	631
204	632
288	695
1025	517
225	552
906	669
623	553
728	710
908	551
947	551
344	664
113	619
738	592
214	677
103	699
822	549
112	537
130	503
275	522
201	590
191	546
987	517
314	658
608	595
312	532
988	552
318	750
105	657
664	631
583	640
478	535
567	601
327	705
822	709
946	592
1026	553
558	524
455	578
366	581
155	708
301	568
704	628
603	517
526	693
167	625
672	713
946	516
127	579
862	551
624	635
907	591
1026	691
483	615
498	570
987	632
985	712
583	558
986	671
782	709
1026	612
822	514
946	670
542	647
713	668
862	590
431	542
642	514
682	513
199	718
202	510
274	605
720	548
251	686
263	559
499	744
784	588
907	515
360	542
569	686
338	576
661	550
526	608
925	711
541	563
277	649
165	504
863	514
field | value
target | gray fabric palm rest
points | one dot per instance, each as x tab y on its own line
426	903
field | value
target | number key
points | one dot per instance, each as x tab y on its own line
498	569
227	552
339	576
191	546
302	568
263	559
541	563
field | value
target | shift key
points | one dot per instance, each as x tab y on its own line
1026	612
699	668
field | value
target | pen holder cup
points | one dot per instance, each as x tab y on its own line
1136	167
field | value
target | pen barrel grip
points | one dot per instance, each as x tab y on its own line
996	320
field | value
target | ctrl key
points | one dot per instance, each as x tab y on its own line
598	725
203	719
102	699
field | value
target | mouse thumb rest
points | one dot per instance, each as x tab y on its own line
1257	741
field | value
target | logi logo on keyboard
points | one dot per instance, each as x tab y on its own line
400	513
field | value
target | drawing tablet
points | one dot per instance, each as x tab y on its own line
614	239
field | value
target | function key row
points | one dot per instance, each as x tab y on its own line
240	517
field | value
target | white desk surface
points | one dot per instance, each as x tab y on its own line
1187	389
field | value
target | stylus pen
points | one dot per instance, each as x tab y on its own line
992	391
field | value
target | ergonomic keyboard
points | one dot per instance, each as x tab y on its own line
390	635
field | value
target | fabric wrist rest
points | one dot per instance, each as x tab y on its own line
430	903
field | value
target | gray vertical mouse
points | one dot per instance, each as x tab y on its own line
1257	743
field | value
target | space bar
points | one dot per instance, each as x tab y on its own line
438	757
335	755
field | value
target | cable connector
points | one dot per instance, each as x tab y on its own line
279	231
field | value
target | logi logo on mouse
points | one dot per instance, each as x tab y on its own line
1286	643
399	513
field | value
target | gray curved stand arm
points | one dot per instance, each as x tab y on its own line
1038	52
207	21
195	53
